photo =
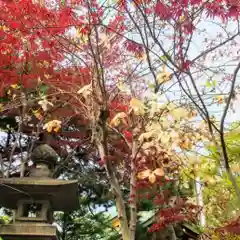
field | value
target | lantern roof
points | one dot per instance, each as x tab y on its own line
62	194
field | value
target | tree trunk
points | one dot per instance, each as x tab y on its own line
115	187
133	193
199	198
166	233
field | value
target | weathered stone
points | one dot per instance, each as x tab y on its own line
44	153
35	231
62	194
34	199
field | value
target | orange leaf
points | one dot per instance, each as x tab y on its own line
159	172
38	115
152	178
219	99
118	119
56	129
54	125
144	174
49	128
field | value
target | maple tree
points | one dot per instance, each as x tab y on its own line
184	22
76	73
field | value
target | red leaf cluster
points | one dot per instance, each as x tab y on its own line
163	11
233	227
179	213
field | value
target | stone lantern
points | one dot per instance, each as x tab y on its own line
35	198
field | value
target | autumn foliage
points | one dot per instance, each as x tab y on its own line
68	70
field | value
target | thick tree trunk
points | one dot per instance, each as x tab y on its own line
115	187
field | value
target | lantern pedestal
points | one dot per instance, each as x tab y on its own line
30	231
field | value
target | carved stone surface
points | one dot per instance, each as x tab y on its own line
44	153
34	198
62	194
36	231
43	211
44	158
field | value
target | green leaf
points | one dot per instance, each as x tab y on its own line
4	99
208	84
28	68
165	58
211	83
43	89
214	82
193	228
167	186
152	86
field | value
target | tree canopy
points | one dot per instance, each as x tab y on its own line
134	96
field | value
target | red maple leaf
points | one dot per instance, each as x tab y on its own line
163	11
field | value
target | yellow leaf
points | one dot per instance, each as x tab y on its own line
152	178
47	76
78	33
45	63
14	86
82	38
4	28
163	76
49	128
38	115
209	180
192	114
219	99
174	135
159	172
165	122
122	86
144	174
179	113
216	236
185	144
137	106
105	41
118	119
235	168
56	129
142	57
182	18
165	137
44	103
54	125
194	159
116	223
171	106
145	136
